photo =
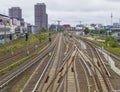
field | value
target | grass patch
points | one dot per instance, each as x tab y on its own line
115	50
10	67
32	39
109	44
66	33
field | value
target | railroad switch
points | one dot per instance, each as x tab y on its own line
98	64
61	69
49	39
47	79
89	64
72	69
60	79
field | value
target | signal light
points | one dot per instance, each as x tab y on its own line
49	39
10	36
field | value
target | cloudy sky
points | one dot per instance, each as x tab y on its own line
68	11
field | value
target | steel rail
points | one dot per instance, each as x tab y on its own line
44	71
25	67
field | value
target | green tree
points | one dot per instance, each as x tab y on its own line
111	41
44	29
118	34
94	32
86	30
102	31
38	36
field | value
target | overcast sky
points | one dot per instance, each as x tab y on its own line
68	11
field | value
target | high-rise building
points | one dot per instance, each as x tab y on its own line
15	12
46	20
41	18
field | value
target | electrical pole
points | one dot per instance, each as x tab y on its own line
111	22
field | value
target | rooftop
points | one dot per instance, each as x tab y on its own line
4	15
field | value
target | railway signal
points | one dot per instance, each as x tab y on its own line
49	37
26	39
10	36
26	36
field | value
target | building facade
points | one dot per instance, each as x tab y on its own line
5	28
41	18
67	27
15	12
33	29
116	25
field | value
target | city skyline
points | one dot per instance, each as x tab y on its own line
96	11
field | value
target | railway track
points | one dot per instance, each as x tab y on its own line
107	52
51	72
40	70
65	78
99	71
40	77
71	77
65	66
82	75
47	83
67	44
113	77
32	83
5	79
88	70
104	72
21	53
61	75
